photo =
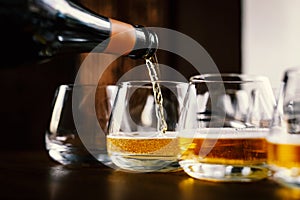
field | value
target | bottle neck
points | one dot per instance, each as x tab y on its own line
146	43
71	28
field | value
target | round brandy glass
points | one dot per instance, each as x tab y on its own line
223	127
63	141
135	141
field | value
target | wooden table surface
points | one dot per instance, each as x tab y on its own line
33	175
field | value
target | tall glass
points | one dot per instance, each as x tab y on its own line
284	138
136	141
223	127
76	130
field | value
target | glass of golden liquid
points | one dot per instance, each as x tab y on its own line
223	127
284	137
143	124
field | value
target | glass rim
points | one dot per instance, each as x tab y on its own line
70	85
292	71
142	83
245	78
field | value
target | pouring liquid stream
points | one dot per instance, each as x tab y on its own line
152	66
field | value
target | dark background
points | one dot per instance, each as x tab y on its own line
28	89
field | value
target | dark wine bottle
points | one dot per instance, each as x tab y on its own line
35	29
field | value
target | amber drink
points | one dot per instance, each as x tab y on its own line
284	158
225	153
142	153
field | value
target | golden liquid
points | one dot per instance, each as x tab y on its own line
284	155
236	151
152	66
159	146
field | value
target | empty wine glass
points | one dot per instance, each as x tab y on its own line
224	125
136	141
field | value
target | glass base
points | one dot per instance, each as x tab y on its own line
224	173
287	177
74	156
145	163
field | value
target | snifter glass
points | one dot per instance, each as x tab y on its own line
223	127
136	142
84	144
284	137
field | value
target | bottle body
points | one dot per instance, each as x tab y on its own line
60	26
76	28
